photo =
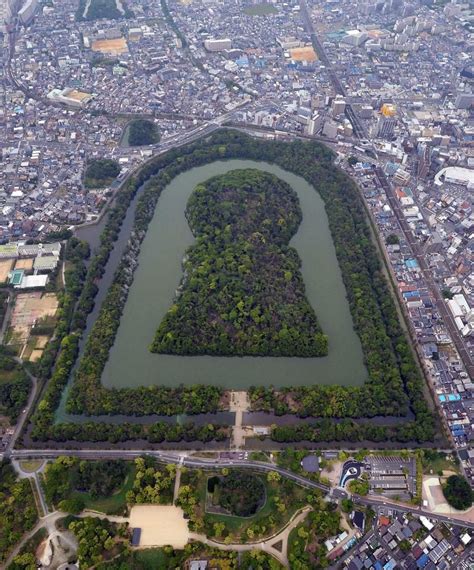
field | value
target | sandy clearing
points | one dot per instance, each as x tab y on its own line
35	355
5	266
115	46
303	54
28	308
161	525
41	341
433	493
26	264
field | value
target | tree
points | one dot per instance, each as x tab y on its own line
347	505
25	561
458	492
392	239
273	477
404	545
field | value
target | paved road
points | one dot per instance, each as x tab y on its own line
382	501
204	463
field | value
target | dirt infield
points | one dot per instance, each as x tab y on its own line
29	307
26	264
303	54
5	266
160	525
116	46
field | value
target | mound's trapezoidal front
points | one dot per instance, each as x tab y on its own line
242	293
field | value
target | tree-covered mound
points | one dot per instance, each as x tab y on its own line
241	494
458	492
100	172
243	293
142	132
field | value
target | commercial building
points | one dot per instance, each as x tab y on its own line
27	11
218	45
464	100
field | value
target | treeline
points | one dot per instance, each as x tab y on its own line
243	293
100	172
17	508
14	386
142	132
157	432
102	9
394	383
326	429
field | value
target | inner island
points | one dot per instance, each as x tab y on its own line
242	292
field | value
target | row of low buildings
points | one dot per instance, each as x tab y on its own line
401	541
452	385
28	266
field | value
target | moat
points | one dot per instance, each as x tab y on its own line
158	275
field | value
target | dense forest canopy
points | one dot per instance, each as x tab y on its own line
241	494
142	132
14	385
458	492
100	172
243	293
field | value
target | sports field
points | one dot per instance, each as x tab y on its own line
115	46
5	266
303	54
28	308
26	264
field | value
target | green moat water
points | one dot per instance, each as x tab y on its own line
159	273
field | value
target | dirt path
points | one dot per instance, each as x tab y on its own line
239	403
177	482
267	545
49	521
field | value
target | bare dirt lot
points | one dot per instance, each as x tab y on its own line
303	54
26	264
161	525
29	307
5	266
115	47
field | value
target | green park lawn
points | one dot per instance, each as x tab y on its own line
114	504
237	526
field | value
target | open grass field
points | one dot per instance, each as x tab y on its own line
262	9
434	463
114	504
31	466
8	376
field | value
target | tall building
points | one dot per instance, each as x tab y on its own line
386	127
338	106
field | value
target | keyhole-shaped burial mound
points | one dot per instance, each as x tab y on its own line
242	293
